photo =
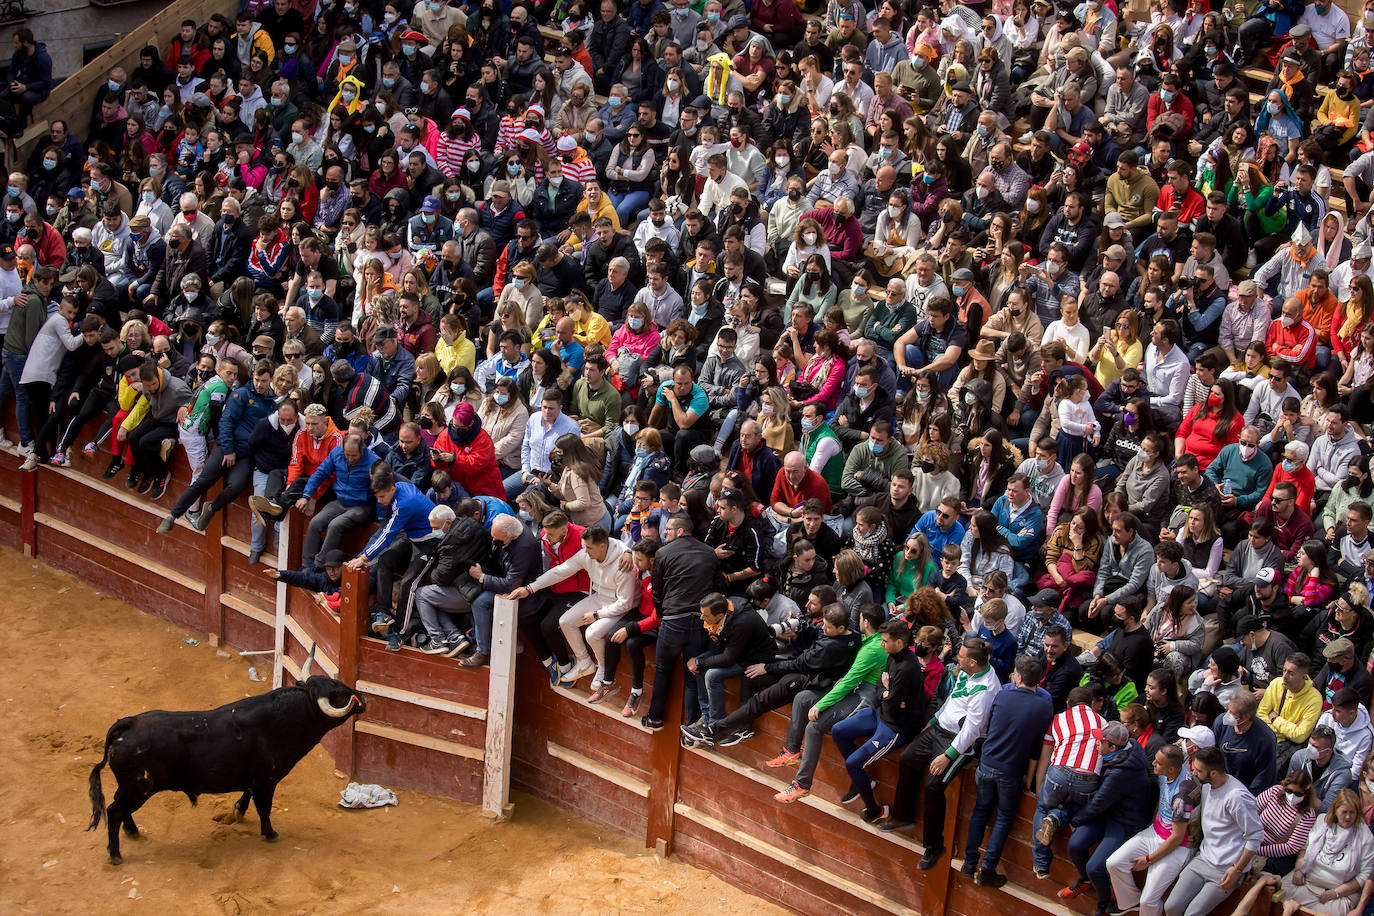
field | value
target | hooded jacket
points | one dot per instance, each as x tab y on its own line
1126	793
270	445
242	412
352	482
308	452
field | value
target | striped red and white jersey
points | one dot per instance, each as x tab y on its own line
1071	736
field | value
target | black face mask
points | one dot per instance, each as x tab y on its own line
794	194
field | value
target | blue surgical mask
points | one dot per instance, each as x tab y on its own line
636	323
784	98
288	50
713	17
501	398
148	197
928	178
112	85
861	391
519	282
513	168
428	218
875	448
525	516
314	295
1166	96
641	452
1289	465
958	292
389	82
808	424
615	101
408	50
49	164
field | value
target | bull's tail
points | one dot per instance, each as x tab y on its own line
97	792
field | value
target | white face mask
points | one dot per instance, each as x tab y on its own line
1032	205
782	162
836	169
1247	452
981	191
1053	268
809	238
894	211
1288	321
1294	798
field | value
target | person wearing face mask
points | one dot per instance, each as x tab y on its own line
1242	473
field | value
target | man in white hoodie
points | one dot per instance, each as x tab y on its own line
110	236
614	593
1354	732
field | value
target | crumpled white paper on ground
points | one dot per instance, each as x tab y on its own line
358	795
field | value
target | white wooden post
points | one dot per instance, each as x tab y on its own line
500	712
279	634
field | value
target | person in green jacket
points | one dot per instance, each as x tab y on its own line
819	439
892	317
813	715
27	315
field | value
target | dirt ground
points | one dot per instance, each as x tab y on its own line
75	660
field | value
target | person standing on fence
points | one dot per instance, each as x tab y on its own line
1231	836
685	569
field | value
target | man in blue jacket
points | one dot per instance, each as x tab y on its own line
30	74
392	365
229	461
403	516
1022	522
349	466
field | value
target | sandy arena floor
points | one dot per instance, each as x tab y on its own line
75	660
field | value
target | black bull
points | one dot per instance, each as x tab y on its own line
246	746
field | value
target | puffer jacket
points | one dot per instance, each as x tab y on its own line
466	543
308	453
1126	793
824	662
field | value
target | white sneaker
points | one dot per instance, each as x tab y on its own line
5	441
1027	137
30	463
26	448
580	669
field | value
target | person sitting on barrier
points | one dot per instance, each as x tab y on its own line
345	473
454	587
318	438
1118	808
952	733
774	684
515	560
814	713
635	631
888	725
737	638
1231	837
614	592
167	397
403	516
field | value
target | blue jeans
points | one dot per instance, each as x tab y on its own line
258	540
712	683
916	359
999	792
865	723
515	485
628	204
1062	792
1108	835
9	382
483	607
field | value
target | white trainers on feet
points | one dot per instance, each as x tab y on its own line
30	463
580	669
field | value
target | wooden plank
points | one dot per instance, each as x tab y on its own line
391	733
235	603
28	501
501	712
420	699
599	770
788	860
114	550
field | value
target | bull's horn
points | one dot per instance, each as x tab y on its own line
336	712
309	660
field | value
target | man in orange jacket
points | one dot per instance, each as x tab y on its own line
311	447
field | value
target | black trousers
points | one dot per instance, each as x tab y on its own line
393	562
546	635
146	444
92	405
679	639
634	645
914	775
768	693
210	473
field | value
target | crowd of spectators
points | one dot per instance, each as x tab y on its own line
858	357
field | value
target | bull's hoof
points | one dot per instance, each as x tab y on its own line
116	860
273	838
131	832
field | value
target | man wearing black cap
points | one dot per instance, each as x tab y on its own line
1262	650
957	116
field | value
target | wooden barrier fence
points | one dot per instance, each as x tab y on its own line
436	727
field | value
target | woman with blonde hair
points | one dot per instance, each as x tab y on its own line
283	380
510	316
1351	318
376	281
504	414
911	569
851	584
774	419
431	381
1119	349
524	293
